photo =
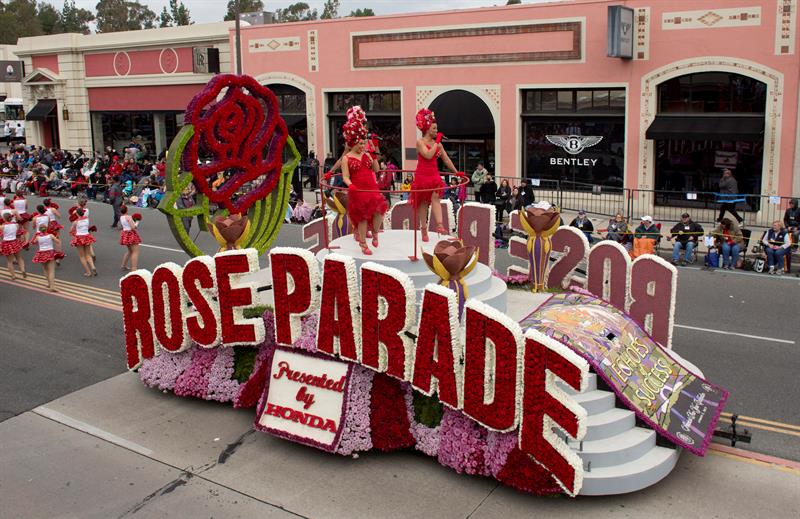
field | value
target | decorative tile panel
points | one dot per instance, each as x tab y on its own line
712	18
642	49
786	27
274	44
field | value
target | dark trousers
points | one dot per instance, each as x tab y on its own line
731	208
117	214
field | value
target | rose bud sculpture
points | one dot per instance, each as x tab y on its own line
540	224
229	230
338	204
452	262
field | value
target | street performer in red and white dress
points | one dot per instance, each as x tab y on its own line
129	237
54	227
365	203
21	207
82	240
427	187
47	254
13	241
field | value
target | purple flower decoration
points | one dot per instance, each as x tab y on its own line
356	434
163	370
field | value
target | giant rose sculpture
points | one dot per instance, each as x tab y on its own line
233	128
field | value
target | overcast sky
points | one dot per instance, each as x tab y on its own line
214	10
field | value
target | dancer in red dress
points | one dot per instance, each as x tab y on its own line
129	237
47	254
83	240
365	203
8	208
13	241
21	207
54	227
427	187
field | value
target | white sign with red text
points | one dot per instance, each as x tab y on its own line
305	399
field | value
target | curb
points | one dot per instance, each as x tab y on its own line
793	466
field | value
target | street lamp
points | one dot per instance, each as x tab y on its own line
238	39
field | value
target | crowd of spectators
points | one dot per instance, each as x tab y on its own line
46	172
132	176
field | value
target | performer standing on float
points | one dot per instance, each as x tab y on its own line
365	203
129	237
13	241
83	240
47	254
427	187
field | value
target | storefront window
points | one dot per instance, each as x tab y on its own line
599	164
118	129
383	114
586	130
695	161
599	100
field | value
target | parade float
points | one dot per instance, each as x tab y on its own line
412	347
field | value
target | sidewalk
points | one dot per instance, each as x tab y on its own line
118	449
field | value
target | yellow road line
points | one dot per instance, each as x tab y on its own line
69	290
65	282
757	463
64	296
760	420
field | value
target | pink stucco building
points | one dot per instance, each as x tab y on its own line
720	79
709	84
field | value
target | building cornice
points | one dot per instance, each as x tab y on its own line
125	40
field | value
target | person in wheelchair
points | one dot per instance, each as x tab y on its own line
686	233
776	244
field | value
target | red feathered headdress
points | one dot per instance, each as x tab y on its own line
357	113
425	119
353	132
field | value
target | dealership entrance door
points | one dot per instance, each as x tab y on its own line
468	125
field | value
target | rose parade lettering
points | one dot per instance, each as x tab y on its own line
484	367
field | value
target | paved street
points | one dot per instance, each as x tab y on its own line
739	328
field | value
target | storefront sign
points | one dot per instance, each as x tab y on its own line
620	32
205	60
13	71
558	161
661	390
305	399
574	144
725	159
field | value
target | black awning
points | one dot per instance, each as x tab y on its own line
707	127
41	110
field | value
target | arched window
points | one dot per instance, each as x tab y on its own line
712	92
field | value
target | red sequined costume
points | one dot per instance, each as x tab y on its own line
426	177
364	200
